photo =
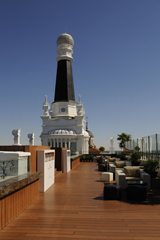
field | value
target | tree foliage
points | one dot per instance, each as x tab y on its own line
101	149
123	138
135	156
137	149
151	167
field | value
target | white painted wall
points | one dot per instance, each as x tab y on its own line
46	167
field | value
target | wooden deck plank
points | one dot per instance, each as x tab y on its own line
73	209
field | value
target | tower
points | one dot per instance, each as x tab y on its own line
64	98
63	123
64	77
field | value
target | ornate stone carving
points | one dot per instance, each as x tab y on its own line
16	133
31	138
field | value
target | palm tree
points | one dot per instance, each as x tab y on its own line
123	138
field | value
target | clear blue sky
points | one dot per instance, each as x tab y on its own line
116	63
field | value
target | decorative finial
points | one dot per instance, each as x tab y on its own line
46	107
45	100
79	99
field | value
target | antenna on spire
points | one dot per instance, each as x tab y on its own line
45	100
79	98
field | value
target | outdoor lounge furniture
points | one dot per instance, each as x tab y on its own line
102	164
136	192
102	167
131	174
116	164
106	176
111	192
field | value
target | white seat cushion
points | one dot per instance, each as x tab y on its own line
106	176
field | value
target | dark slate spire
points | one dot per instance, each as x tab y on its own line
64	90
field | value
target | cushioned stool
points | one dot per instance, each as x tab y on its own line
106	176
111	192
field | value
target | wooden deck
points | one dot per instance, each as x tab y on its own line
73	209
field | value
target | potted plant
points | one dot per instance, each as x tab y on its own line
135	157
151	167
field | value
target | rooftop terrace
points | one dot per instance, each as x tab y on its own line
74	209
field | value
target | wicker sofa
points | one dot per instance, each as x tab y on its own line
131	174
116	164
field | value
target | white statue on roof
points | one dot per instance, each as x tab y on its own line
16	133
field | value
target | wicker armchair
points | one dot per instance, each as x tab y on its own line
131	174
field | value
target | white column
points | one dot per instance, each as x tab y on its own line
85	145
65	143
69	144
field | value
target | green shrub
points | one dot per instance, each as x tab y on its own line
151	167
135	158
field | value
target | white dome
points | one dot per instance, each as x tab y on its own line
65	38
62	132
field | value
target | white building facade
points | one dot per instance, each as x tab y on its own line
63	121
